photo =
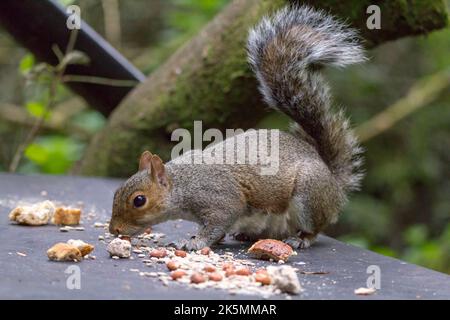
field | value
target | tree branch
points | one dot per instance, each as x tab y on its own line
208	79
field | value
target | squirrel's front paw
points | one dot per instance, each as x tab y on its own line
194	244
180	244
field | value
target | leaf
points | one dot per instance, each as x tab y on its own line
37	153
36	109
54	154
26	63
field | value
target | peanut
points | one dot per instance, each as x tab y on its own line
172	265
180	253
215	276
158	253
243	272
209	268
197	278
177	274
263	278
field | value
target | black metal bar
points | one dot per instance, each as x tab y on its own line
38	24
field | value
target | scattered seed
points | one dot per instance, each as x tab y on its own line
230	272
205	251
227	266
263	278
172	265
365	291
209	268
158	253
100	225
243	272
197	278
180	253
177	274
215	277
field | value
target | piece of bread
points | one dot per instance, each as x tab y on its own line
34	215
64	252
66	216
285	279
85	248
271	249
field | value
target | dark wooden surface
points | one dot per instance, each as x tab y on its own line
34	276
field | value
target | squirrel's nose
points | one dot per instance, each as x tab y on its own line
114	229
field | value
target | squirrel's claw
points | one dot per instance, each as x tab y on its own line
180	244
193	244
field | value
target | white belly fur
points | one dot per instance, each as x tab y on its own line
262	224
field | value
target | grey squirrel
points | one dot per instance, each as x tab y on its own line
319	159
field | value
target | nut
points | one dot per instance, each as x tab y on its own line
177	274
243	272
197	278
158	253
230	272
227	265
209	268
180	253
215	276
263	278
172	265
262	270
205	251
271	249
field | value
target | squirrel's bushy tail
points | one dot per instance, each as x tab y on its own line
286	51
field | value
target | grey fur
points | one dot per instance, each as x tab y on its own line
305	39
318	161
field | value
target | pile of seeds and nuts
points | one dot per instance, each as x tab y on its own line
205	268
201	269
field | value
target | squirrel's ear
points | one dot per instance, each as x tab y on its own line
159	171
145	163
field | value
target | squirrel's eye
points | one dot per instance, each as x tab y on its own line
139	201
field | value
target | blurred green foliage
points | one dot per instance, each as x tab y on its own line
403	209
52	154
